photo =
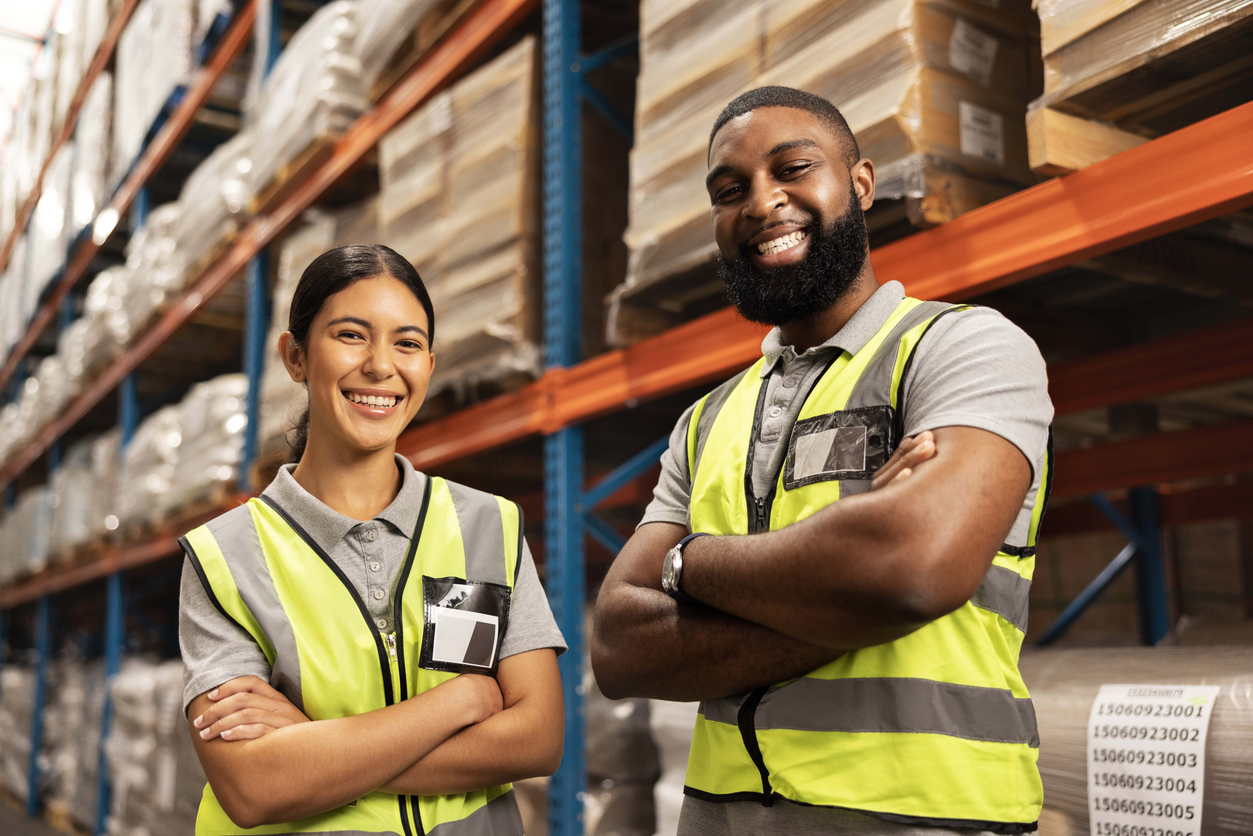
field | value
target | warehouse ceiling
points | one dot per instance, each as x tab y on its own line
22	29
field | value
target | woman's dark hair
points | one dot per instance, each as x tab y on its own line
327	275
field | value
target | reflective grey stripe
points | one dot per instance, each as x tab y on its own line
482	533
911	706
237	537
713	405
348	832
1006	593
498	817
874	387
725	710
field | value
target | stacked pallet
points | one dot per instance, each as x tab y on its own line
1117	72
458	199
935	91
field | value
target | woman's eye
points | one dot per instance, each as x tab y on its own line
410	344
350	335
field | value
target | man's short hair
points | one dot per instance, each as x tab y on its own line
776	96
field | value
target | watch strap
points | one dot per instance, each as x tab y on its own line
678	594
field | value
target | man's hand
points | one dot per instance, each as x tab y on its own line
244	709
911	452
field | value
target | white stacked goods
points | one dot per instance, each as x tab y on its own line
74	499
458	199
49	227
157	780
148	468
10	439
92	143
312	94
934	90
211	424
157	266
672	724
214	199
385	26
24	534
72	739
69	55
109	323
206	13
17	695
95	21
154	57
106	469
622	765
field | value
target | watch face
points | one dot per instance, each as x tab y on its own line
667	572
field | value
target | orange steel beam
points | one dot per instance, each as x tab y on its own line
104	54
1154	459
1212	502
1196	173
148	164
481	28
1204	357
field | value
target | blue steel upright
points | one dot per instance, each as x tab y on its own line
256	326
43	647
563	450
1150	572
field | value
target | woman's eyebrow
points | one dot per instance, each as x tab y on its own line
355	320
407	328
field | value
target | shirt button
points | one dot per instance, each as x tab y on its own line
776	411
788	383
375	565
370	534
378	595
381	622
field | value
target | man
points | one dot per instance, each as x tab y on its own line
855	650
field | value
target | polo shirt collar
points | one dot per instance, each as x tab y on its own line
858	331
327	526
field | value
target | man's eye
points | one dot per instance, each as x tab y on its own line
726	194
793	170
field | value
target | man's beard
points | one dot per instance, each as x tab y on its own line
795	291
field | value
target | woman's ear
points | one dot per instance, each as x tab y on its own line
293	356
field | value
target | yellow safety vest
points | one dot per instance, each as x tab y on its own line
935	728
327	655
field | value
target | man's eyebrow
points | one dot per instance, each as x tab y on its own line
716	173
791	145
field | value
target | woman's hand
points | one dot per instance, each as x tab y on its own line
479	694
244	709
911	452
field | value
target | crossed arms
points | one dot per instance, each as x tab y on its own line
866	570
268	763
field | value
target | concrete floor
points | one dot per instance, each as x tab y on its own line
13	822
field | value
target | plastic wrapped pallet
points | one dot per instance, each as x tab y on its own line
17	695
109	322
24	534
49	231
91	160
393	32
1063	686
672	725
1137	62
311	96
622	765
74	506
72	739
95	22
154	57
211	425
934	90
157	781
148	467
458	200
213	200
157	267
207	12
69	55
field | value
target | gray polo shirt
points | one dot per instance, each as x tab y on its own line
972	369
371	554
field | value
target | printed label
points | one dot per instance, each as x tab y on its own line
1146	759
982	133
972	51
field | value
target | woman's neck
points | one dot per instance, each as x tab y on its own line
358	484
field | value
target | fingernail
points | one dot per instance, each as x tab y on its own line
226	733
204	734
196	722
213	695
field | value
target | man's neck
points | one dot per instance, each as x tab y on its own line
804	334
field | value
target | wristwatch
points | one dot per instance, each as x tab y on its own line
672	570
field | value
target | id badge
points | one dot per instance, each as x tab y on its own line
847	445
465	624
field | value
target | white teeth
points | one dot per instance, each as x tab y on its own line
372	400
778	245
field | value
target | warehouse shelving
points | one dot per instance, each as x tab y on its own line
1199	172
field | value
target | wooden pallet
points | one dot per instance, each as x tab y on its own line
81	554
433	26
292	174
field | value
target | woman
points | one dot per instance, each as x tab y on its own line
368	650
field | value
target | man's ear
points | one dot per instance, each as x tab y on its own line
293	356
863	182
